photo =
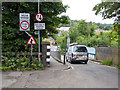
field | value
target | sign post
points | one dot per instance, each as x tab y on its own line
31	55
39	26
38	38
31	42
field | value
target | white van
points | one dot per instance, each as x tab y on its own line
77	53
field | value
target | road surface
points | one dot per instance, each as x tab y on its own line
89	75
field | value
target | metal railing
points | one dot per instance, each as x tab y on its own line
91	56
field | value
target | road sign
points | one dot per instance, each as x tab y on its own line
24	25
36	32
31	41
39	26
39	17
24	21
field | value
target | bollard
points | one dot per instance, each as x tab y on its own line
64	57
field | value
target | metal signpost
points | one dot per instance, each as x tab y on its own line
31	42
39	26
38	38
25	26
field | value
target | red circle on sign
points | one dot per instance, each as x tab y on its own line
36	16
22	27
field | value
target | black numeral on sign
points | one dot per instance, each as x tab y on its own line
40	17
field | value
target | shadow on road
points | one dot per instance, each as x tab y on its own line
77	63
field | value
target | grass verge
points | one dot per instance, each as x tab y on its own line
107	62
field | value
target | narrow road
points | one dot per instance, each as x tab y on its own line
80	76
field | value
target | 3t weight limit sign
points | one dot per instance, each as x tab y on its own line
24	25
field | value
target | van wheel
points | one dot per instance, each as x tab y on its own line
71	61
85	62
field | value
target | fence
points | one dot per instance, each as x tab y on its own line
91	52
104	53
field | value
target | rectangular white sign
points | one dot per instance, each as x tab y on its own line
24	16
24	21
39	26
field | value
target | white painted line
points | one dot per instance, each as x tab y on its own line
48	53
48	60
48	47
72	67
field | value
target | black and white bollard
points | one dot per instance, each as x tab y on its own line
48	55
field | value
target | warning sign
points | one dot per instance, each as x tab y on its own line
31	41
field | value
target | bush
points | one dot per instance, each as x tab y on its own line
118	66
21	64
107	62
5	68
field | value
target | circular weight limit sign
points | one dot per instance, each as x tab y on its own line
24	25
39	17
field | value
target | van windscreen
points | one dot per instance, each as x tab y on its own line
79	49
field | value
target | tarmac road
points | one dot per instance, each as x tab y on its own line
89	75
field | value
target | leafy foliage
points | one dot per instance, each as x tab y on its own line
23	64
107	62
104	26
15	40
108	9
82	32
62	41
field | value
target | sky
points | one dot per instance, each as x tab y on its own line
82	10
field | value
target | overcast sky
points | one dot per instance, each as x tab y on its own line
82	9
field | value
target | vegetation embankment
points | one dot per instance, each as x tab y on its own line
109	62
20	64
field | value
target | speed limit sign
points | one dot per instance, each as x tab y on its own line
39	17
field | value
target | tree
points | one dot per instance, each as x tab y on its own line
62	41
73	33
108	9
83	28
12	38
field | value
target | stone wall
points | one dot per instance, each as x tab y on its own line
104	53
44	52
